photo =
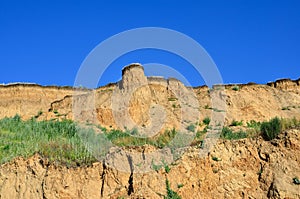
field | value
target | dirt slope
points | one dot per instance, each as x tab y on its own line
248	168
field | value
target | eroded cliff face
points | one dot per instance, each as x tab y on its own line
27	99
248	168
138	98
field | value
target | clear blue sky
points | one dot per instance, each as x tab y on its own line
46	41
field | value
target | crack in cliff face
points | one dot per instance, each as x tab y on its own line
58	101
130	189
273	192
261	170
103	178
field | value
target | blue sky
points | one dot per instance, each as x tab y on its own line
250	41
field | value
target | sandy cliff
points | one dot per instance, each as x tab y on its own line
248	168
245	168
242	102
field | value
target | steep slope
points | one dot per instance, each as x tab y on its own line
248	168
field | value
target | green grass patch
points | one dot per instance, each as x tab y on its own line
236	123
156	167
56	140
228	134
125	138
166	166
253	124
236	88
289	123
170	193
61	141
191	128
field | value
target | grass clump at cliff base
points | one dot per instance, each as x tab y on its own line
56	140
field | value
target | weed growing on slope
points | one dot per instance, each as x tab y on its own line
227	133
206	121
289	123
271	129
236	88
296	181
170	193
236	123
121	138
191	128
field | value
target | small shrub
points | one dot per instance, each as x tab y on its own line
228	134
236	88
200	134
206	121
179	185
296	181
167	168
236	123
215	159
191	128
240	135
253	124
289	123
254	128
271	129
225	132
